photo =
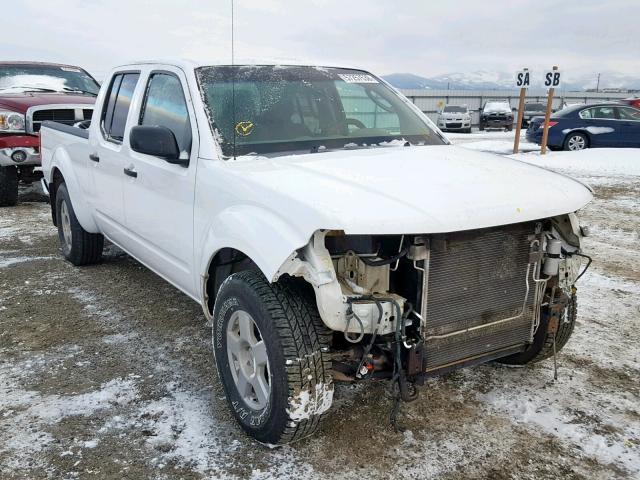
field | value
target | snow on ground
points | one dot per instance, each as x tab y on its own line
491	141
606	162
107	372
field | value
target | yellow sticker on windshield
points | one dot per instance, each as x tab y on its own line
244	129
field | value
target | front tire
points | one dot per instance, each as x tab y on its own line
78	246
542	346
271	351
8	186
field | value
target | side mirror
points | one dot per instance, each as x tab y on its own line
157	141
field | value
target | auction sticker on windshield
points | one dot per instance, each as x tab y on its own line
357	78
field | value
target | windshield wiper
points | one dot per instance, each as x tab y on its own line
30	89
78	90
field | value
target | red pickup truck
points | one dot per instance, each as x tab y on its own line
30	93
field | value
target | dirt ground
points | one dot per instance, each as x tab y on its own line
107	372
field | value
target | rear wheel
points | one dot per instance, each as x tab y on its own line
78	246
8	186
576	141
542	346
271	351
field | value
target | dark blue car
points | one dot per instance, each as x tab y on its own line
587	126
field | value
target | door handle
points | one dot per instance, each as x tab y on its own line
131	173
94	157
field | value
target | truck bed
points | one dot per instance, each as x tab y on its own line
73	142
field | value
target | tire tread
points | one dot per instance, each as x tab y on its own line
304	339
8	186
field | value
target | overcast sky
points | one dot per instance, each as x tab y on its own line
423	37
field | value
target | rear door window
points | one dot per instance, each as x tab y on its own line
166	106
599	113
117	104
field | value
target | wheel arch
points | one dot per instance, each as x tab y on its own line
62	169
222	264
249	237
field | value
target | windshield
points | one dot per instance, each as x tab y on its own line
535	107
270	109
453	109
497	107
45	78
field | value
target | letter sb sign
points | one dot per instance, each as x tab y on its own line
523	79
552	79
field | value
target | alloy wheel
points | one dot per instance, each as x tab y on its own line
248	360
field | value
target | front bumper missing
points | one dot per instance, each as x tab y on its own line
480	294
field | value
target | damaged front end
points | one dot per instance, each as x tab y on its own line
416	305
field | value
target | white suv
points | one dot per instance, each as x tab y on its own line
455	118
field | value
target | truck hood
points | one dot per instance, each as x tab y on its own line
418	189
20	102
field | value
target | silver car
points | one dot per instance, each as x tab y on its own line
455	118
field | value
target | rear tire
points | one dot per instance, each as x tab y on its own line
576	141
542	346
78	246
8	186
481	127
288	402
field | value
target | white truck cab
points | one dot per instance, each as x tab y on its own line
325	225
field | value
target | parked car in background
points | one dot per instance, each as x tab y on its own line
314	242
633	102
531	110
585	126
30	93
455	118
496	114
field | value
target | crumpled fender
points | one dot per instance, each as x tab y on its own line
60	159
266	238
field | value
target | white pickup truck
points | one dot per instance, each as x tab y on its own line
326	226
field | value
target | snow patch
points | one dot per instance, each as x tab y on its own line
591	130
308	403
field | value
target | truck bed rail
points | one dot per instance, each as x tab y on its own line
61	127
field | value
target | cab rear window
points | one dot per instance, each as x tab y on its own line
117	104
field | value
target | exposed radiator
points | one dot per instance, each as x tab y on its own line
478	293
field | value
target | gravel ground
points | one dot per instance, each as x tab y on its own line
107	372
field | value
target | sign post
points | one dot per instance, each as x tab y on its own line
522	80
551	81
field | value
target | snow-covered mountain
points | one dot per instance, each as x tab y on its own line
488	80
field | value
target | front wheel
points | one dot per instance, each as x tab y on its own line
542	346
78	246
8	186
576	141
271	351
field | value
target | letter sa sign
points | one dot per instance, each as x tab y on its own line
523	79
552	79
